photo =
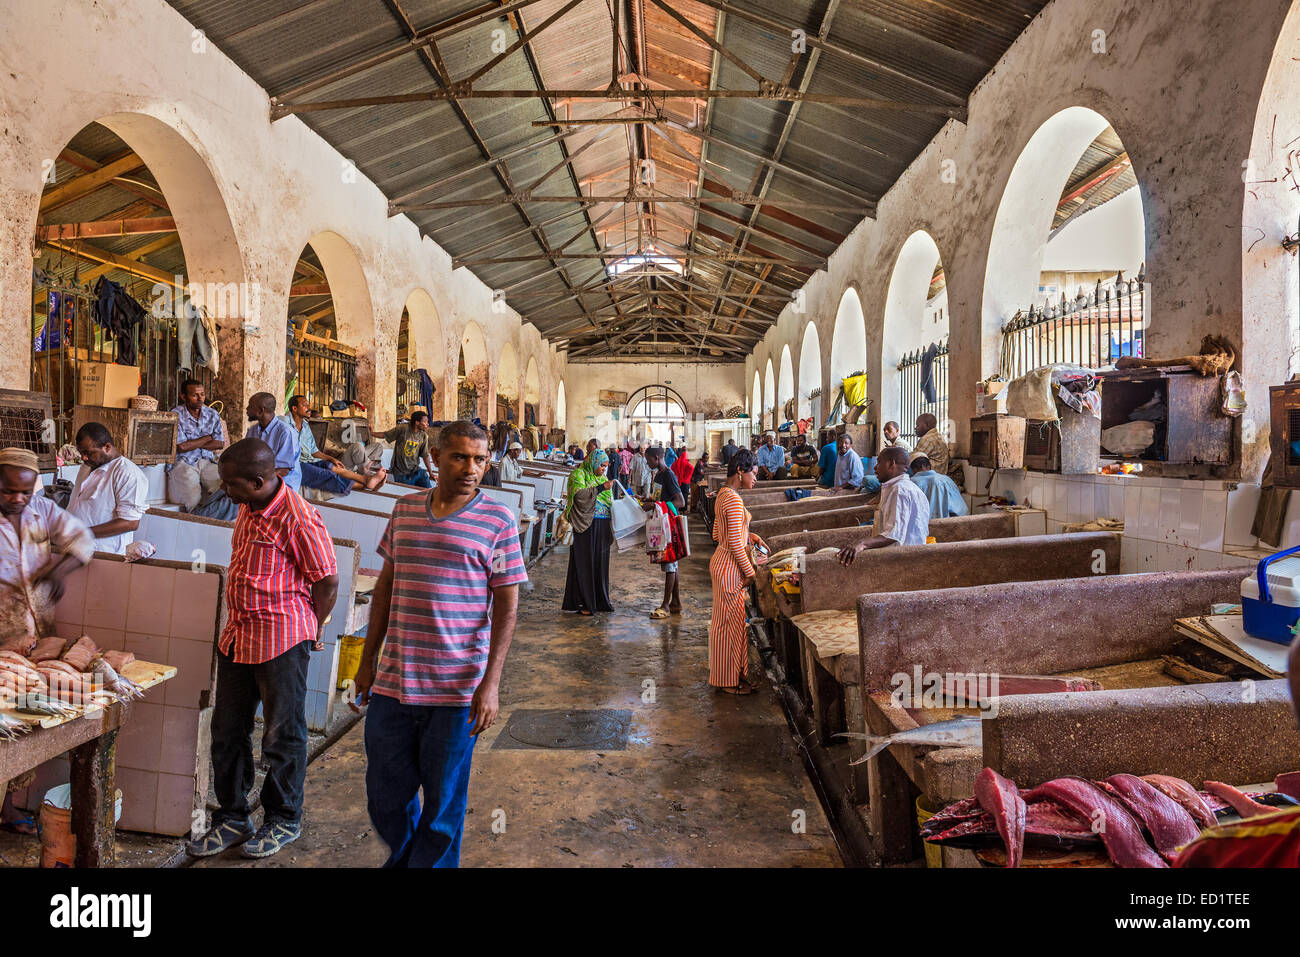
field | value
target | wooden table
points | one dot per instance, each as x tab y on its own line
89	738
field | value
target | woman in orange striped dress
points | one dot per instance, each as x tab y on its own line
731	571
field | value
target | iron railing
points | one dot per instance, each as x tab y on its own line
408	389
1091	330
466	402
321	373
911	396
61	347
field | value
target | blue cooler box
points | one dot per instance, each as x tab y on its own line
1270	598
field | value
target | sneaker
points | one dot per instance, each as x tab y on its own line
271	839
220	837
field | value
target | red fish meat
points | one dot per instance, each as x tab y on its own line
1167	821
1288	783
1239	801
1002	799
1116	827
1184	794
81	654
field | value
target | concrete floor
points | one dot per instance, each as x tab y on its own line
706	780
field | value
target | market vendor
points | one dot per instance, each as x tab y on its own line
40	545
111	494
904	514
200	435
410	448
771	459
321	470
282	439
511	470
848	465
930	443
826	465
892	432
942	492
803	459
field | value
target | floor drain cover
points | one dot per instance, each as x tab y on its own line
599	730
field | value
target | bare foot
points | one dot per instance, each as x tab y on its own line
376	480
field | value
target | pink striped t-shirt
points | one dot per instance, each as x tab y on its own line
440	618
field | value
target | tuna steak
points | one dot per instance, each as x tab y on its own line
1116	827
1239	801
1167	821
1002	799
1184	794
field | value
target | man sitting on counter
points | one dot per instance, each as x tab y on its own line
904	514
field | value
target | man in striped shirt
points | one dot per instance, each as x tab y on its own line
281	585
443	612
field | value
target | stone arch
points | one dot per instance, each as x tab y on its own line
769	393
785	384
425	348
473	374
913	318
507	386
561	407
849	339
756	403
1023	222
533	387
810	373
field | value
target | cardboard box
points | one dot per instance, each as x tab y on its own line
107	384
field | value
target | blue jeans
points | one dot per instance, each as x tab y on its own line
318	476
409	747
418	478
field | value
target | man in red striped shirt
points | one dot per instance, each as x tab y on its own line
443	612
281	585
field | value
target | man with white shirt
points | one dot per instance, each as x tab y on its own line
111	493
848	466
904	514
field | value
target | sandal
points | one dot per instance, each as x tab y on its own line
658	614
743	688
20	825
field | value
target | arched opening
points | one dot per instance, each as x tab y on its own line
507	400
756	401
472	375
1064	282
330	324
785	408
914	340
769	390
561	408
420	361
656	415
129	201
810	376
848	341
532	393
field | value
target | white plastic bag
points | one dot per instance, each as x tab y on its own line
658	531
626	517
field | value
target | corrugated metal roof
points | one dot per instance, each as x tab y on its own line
918	51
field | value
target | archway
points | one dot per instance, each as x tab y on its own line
159	215
770	393
420	349
1069	223
561	407
756	404
330	355
507	398
914	340
656	415
532	393
810	375
785	388
848	341
472	375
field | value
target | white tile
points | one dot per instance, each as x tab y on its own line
1242	502
1031	523
1127	555
1053	527
1115	501
1291	527
1214	511
1146	556
1149	514
1190	507
1074	506
1101	502
1132	507
1170	514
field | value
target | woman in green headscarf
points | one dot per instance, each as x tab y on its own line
588	511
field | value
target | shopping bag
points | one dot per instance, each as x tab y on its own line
658	532
627	519
684	530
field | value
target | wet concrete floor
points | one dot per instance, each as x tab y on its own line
706	779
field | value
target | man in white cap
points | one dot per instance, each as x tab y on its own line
771	458
40	545
511	470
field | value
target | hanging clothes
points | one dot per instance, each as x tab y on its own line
118	313
196	334
426	390
928	390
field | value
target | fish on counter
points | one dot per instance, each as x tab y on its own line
964	732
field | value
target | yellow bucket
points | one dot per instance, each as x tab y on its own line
933	852
350	647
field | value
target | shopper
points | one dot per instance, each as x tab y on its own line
669	491
280	587
732	571
588	511
444	628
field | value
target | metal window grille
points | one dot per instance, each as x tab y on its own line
408	389
1092	330
65	335
322	374
911	396
466	401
